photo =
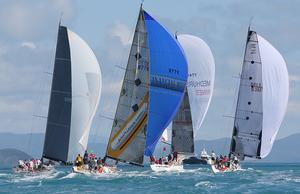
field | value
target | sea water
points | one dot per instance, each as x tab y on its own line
254	178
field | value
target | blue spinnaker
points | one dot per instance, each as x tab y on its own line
168	76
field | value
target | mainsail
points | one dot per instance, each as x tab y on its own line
128	134
75	94
201	74
262	99
152	89
182	128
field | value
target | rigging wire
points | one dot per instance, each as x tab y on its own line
42	84
112	79
231	112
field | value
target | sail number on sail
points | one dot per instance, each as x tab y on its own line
256	87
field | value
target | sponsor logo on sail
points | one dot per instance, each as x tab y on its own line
202	92
129	128
202	83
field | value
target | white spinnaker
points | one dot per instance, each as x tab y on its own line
86	90
201	69
275	93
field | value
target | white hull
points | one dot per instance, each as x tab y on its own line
33	171
104	170
166	167
225	169
209	161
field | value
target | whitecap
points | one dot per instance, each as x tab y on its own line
52	174
297	180
3	174
69	176
207	184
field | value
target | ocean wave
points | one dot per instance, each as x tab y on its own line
297	180
69	176
207	184
34	177
128	179
3	174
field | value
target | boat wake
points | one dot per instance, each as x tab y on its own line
196	179
33	177
3	174
196	170
69	176
206	184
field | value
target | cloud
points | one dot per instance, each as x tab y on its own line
3	50
122	32
66	7
19	106
32	19
29	45
294	78
293	108
24	88
223	25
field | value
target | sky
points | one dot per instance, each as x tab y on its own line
28	32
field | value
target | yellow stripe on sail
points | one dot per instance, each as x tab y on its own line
134	132
121	149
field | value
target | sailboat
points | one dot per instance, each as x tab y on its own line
74	98
261	103
166	162
197	97
152	90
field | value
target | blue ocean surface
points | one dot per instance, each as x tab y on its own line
255	178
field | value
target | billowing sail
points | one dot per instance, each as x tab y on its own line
275	93
262	99
168	76
201	68
75	94
201	74
128	134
